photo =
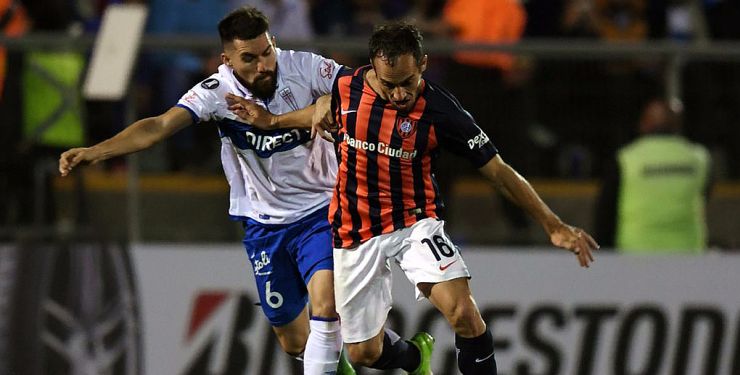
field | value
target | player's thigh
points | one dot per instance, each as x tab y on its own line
282	292
311	244
313	254
362	289
429	256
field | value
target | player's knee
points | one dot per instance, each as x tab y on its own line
293	345
324	308
465	319
293	349
363	354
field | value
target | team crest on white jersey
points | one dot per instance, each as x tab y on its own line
287	95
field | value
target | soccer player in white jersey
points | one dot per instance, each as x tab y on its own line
281	180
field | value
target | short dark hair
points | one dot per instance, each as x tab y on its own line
244	23
392	40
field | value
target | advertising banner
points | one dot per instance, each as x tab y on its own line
625	315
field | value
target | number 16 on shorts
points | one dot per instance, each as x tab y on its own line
439	247
433	254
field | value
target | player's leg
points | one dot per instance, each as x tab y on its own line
282	291
435	266
362	282
473	340
325	339
294	335
312	251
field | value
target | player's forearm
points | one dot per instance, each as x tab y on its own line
517	189
300	119
139	136
524	195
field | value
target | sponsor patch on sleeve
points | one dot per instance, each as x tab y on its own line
326	69
209	84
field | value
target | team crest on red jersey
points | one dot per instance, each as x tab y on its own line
405	127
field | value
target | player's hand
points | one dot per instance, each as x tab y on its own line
580	243
322	122
70	158
250	112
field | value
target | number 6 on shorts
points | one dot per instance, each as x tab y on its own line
269	295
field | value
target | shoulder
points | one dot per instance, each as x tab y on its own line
701	152
217	84
351	78
302	62
629	148
297	56
444	103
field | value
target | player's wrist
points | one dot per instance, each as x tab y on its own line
276	122
96	154
553	224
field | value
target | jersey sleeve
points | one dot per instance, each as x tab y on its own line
203	99
459	134
323	72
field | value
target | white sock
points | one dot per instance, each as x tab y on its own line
322	349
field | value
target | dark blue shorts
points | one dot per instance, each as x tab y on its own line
284	257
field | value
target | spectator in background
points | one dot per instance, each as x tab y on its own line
611	20
653	200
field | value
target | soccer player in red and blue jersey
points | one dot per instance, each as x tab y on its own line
386	204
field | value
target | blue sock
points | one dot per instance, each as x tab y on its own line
475	355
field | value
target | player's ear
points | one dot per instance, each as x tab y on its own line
225	60
273	40
423	63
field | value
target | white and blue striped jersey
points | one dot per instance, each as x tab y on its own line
280	176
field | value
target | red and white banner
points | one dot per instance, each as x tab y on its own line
625	315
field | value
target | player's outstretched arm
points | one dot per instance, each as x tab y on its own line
311	117
140	135
516	188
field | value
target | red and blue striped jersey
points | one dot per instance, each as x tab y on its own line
385	180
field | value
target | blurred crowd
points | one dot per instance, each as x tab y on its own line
550	118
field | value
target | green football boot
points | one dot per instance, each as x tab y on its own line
425	343
344	367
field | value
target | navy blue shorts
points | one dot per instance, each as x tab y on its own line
284	257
